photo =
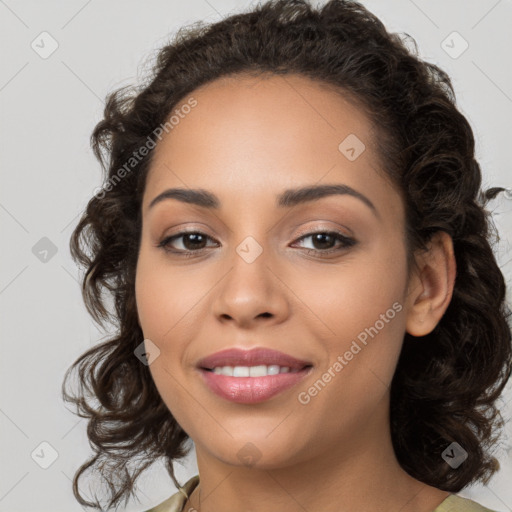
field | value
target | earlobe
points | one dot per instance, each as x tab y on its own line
431	286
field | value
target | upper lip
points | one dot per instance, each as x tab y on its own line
253	357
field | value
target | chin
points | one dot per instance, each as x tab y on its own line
256	452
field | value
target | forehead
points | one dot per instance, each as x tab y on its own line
249	135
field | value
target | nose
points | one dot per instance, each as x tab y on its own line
251	293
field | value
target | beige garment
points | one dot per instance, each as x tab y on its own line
452	503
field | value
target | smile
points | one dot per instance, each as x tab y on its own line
243	385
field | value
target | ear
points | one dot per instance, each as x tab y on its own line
431	285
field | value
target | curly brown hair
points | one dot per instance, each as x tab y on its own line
445	388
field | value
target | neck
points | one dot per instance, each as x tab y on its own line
360	472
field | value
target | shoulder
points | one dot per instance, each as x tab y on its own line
452	503
176	502
456	503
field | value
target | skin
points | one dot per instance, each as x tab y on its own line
247	140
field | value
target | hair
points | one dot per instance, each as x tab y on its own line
445	385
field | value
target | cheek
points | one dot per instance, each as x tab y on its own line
152	301
159	302
363	309
162	316
170	302
352	296
164	297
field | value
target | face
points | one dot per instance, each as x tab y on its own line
323	280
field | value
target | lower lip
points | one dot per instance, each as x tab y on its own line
252	390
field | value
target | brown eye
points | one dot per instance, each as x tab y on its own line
192	241
323	242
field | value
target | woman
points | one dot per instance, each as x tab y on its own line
294	235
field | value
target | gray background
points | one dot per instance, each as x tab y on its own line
49	107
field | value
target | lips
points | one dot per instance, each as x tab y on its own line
254	357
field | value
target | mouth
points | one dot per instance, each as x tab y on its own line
254	359
252	376
254	371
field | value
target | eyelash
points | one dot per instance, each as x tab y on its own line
346	242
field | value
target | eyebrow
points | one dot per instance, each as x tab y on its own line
287	199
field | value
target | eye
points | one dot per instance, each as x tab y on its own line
195	242
324	240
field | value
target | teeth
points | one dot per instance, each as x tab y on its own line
252	371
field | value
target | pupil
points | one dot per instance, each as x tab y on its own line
320	237
194	237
